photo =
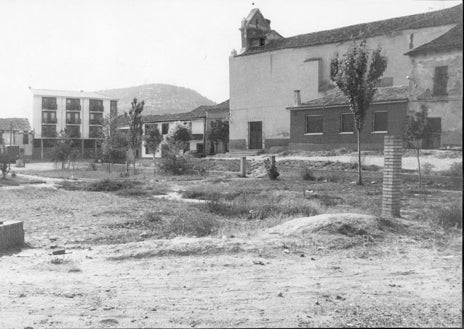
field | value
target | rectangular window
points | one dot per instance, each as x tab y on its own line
73	131
440	81
95	105
114	108
96	118
380	122
73	104
49	131
165	128
25	139
95	132
149	127
73	118
346	123
49	103
48	117
314	124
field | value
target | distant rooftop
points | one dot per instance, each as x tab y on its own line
448	16
199	112
337	98
451	40
69	93
15	124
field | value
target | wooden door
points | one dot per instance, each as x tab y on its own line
256	135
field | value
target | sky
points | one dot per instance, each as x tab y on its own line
103	44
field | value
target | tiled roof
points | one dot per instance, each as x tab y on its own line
199	112
383	94
69	93
446	16
15	123
451	40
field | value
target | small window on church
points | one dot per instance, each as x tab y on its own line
262	42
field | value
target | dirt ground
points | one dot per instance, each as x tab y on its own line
292	275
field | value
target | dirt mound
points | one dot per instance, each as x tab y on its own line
344	224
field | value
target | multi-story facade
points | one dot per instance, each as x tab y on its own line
435	83
269	67
80	114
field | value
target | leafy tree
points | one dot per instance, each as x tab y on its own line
417	130
153	139
219	132
5	160
63	148
357	74
134	117
115	142
173	158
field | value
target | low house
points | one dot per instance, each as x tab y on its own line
327	122
199	121
435	83
16	133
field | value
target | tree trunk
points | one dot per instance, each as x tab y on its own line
358	138
419	167
154	164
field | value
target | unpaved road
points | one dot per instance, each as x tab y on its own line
402	288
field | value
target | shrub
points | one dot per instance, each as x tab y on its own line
153	217
13	174
307	174
107	185
197	225
450	217
455	170
271	169
427	168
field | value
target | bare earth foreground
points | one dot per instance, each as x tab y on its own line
306	272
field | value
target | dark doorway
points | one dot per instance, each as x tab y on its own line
433	140
256	135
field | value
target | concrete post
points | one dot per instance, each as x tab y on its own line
272	159
391	193
243	169
41	149
11	234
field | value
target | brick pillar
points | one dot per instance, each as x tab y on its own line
391	194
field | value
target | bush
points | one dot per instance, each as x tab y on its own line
108	185
13	174
455	170
197	225
427	168
450	217
307	174
271	169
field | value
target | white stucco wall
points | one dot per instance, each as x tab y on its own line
261	85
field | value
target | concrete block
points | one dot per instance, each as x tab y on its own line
11	234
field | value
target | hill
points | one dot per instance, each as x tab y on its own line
159	98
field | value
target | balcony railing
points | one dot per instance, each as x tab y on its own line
73	107
49	106
47	132
96	121
49	120
73	121
74	133
96	108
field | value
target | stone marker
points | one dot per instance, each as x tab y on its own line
243	167
11	234
391	193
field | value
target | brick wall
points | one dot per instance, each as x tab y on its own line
332	138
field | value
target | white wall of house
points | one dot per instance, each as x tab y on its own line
261	85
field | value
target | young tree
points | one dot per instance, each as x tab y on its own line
114	141
63	148
5	160
219	132
416	131
173	149
357	74
153	139
134	117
